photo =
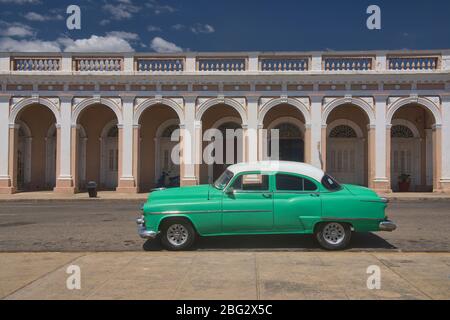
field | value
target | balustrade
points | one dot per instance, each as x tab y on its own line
284	64
98	64
237	64
36	64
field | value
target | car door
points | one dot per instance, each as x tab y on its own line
297	203
248	204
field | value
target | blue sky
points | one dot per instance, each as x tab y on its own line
225	25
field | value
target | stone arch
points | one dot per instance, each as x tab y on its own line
424	102
29	101
225	120
227	101
290	101
408	124
290	120
353	101
89	102
345	122
156	101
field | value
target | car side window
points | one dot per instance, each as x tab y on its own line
286	182
251	182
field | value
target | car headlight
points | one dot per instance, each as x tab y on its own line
384	200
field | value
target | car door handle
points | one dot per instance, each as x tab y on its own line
267	195
316	195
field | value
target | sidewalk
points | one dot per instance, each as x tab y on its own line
111	195
225	275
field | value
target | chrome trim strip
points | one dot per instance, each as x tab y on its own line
208	211
350	219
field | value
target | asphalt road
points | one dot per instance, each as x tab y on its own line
80	226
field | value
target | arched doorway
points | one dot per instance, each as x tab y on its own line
347	146
35	150
50	155
412	150
158	156
166	155
405	154
23	156
290	123
345	154
109	166
98	147
216	121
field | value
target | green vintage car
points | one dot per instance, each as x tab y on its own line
271	197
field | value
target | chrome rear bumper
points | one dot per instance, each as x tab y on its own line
387	225
142	230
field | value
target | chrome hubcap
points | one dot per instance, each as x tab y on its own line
334	233
177	235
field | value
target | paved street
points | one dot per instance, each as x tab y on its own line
88	226
225	275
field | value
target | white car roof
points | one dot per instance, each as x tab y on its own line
279	166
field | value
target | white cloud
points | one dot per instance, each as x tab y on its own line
123	9
153	28
178	26
96	44
8	44
15	30
130	36
162	46
34	16
158	8
202	28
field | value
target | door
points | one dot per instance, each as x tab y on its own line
297	203
405	160
345	160
249	208
112	163
166	163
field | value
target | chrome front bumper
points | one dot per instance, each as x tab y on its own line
143	232
387	225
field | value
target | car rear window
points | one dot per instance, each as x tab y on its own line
330	183
287	182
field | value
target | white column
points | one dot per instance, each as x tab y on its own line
253	62
189	143
65	172
127	147
316	61
4	138
128	63
252	130
446	141
316	132
5	62
381	176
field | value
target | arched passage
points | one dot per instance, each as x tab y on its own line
347	143
218	123
158	156
97	147
413	148
34	151
290	123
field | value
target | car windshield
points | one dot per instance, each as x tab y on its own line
223	180
330	183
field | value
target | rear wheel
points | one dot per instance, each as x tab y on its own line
333	235
177	234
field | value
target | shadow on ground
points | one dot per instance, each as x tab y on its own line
360	241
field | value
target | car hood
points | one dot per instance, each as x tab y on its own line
360	191
191	192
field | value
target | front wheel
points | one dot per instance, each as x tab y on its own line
177	235
333	235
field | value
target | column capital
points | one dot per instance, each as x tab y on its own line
5	97
128	97
190	99
316	98
252	99
381	97
66	97
445	97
